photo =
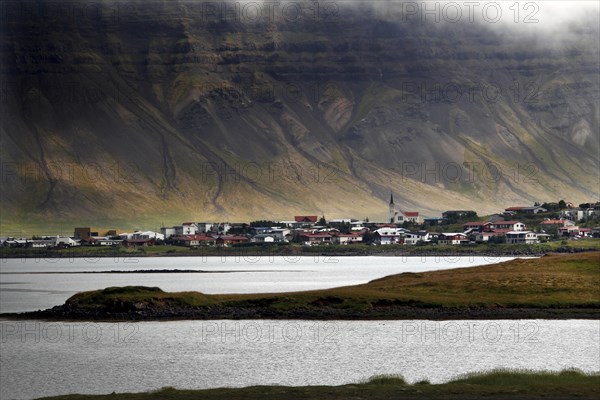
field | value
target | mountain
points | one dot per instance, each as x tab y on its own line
139	113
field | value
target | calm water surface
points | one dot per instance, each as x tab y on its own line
44	359
32	284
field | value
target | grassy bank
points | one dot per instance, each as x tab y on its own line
553	283
499	384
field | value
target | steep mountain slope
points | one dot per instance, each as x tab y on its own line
161	111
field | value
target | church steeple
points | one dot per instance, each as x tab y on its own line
391	209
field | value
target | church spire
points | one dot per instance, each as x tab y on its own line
391	198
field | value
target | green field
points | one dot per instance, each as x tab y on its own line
499	384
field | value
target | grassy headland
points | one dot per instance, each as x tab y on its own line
553	286
500	384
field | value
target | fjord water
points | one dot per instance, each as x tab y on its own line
29	284
40	358
44	359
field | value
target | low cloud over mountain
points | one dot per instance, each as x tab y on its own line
167	110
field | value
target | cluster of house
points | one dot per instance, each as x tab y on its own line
46	242
581	213
88	236
305	229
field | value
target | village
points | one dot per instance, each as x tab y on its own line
514	225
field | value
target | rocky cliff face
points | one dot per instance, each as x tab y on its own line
161	111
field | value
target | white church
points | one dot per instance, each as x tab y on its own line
397	216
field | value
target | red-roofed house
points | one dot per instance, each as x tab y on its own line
478	226
569	230
515	209
556	223
306	218
316	238
452	238
194	240
345	238
228	240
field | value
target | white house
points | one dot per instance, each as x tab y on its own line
265	238
388	239
412	238
276	234
66	241
145	235
512	225
521	237
52	241
189	228
391	231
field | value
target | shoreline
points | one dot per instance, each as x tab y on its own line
63	314
233	253
294	250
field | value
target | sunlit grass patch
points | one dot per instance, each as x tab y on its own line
518	377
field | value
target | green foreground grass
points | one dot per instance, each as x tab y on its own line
492	385
551	281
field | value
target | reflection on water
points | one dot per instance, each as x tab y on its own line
43	359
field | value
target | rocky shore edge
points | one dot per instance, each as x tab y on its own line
142	313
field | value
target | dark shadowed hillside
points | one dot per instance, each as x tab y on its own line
161	111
